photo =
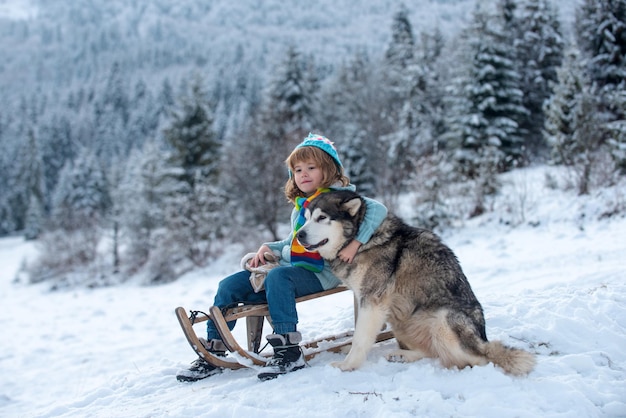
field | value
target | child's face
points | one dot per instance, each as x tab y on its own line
308	176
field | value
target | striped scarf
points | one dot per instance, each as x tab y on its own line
300	257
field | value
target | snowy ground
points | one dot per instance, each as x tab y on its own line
557	288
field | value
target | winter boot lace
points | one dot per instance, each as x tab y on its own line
201	369
288	356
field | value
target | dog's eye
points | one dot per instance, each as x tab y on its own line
321	218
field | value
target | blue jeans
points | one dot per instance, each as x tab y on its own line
282	286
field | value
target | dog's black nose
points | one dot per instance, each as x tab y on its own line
301	235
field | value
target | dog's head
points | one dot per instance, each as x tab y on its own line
332	221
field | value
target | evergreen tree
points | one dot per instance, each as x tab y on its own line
492	109
7	186
292	96
115	93
434	79
110	135
561	108
539	48
404	108
420	121
144	117
165	99
112	112
35	219
141	201
352	116
412	140
25	180
400	52
195	149
35	191
508	11
81	197
58	148
195	222
80	203
193	162
398	65
360	162
601	34
573	126
255	158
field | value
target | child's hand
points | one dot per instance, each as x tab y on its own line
258	257
347	254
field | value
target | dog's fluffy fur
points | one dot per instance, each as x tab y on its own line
407	277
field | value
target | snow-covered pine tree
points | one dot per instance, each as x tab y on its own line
573	126
601	34
560	109
193	161
490	133
144	117
352	117
81	197
57	148
411	141
255	158
140	199
430	55
404	81
7	160
539	47
79	204
291	96
32	175
190	135
400	52
111	117
24	180
35	219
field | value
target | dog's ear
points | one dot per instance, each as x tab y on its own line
352	206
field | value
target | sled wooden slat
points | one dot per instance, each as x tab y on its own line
262	309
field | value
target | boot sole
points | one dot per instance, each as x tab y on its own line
269	376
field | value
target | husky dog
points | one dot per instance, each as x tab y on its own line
407	277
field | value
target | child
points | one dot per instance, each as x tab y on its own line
314	168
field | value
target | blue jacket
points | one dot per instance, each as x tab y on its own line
375	213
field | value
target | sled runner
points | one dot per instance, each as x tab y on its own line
186	323
255	316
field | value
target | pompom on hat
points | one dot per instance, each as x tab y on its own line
322	143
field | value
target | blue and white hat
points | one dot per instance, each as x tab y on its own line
322	143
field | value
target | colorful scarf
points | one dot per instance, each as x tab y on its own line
300	257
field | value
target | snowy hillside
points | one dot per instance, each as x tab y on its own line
555	284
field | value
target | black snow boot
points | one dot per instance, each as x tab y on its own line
200	369
288	356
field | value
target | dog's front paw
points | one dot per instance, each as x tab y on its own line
343	366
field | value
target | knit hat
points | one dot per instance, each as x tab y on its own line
322	143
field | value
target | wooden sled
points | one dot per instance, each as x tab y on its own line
255	316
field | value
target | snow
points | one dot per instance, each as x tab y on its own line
550	278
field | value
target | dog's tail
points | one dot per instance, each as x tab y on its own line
514	361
